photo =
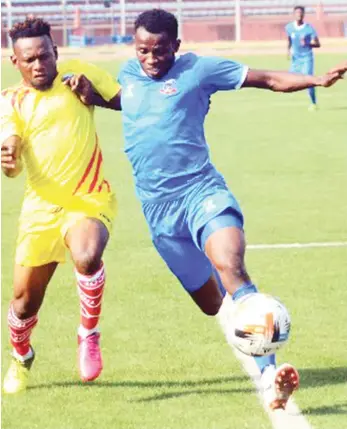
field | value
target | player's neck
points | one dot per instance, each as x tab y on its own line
299	23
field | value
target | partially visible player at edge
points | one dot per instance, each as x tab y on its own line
195	222
302	38
67	201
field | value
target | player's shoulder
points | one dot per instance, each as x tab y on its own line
8	92
188	59
309	27
289	27
130	66
69	65
74	66
13	93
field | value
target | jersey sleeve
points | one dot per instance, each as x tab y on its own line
288	29
127	67
313	33
10	123
219	74
101	80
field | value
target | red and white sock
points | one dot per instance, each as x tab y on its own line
20	331
90	290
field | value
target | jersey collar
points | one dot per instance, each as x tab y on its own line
299	27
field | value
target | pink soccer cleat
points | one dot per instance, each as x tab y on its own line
279	384
89	357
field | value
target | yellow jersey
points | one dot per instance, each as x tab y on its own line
60	148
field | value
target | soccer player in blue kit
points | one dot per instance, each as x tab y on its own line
195	221
302	38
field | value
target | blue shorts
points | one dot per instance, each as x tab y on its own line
177	228
302	66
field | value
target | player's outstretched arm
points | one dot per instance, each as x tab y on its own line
288	82
341	68
11	162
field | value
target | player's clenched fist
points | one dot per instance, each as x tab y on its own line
340	68
81	86
10	156
329	79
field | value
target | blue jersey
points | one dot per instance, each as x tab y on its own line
297	33
163	122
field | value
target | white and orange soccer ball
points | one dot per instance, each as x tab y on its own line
260	324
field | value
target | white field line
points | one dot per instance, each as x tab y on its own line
297	245
291	417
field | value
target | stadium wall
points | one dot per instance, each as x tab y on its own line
258	28
262	28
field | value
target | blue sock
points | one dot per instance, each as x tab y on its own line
312	94
243	290
261	361
219	281
264	361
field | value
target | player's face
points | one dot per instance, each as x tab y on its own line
36	59
156	52
299	15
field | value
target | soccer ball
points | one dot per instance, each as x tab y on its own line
260	324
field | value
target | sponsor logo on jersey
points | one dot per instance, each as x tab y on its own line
169	87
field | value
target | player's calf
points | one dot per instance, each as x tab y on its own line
90	289
225	248
17	376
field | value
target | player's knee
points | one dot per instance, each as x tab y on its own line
211	306
230	262
87	261
24	306
211	310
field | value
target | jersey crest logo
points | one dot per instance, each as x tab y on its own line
209	205
129	90
169	87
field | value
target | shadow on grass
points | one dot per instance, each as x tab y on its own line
336	108
170	395
310	378
316	377
141	384
340	409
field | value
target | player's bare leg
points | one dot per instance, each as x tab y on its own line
209	297
226	249
87	241
30	285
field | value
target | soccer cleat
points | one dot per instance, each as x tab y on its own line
279	384
312	107
89	357
17	377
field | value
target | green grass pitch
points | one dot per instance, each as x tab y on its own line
166	366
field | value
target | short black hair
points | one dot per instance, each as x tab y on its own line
31	27
299	7
158	21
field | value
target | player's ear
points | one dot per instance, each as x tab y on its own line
55	49
14	60
177	45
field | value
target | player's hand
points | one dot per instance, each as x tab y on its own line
81	86
340	68
329	79
8	155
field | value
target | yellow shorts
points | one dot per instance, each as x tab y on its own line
43	226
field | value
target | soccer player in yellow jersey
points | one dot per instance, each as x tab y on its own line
67	204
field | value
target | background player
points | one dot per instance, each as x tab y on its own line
195	222
67	202
302	38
